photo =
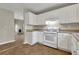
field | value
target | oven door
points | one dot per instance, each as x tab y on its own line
50	37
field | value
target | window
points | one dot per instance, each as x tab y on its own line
52	24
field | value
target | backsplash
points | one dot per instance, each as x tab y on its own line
69	26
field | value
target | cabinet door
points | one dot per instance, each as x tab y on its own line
30	19
40	37
28	37
35	37
26	18
63	41
69	14
74	45
41	19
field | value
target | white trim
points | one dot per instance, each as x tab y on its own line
29	43
24	42
7	42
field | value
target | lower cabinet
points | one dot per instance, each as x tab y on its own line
64	41
40	36
30	38
75	45
33	37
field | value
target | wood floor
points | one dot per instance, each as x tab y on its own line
17	48
38	49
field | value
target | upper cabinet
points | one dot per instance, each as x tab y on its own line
30	19
69	14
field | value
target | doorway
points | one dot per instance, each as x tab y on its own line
19	30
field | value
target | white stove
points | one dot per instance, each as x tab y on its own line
51	38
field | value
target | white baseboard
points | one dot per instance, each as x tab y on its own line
7	42
29	43
24	42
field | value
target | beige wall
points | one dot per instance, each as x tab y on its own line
6	26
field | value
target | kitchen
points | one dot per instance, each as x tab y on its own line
61	25
53	28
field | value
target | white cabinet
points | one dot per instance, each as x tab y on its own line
30	19
69	14
35	36
31	37
41	19
40	36
74	46
45	17
64	41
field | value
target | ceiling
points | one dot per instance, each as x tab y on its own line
34	7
